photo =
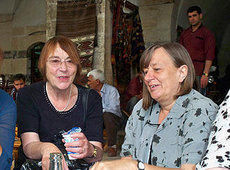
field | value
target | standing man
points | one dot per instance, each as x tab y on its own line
111	107
200	43
19	82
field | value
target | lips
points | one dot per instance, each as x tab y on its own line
153	86
63	77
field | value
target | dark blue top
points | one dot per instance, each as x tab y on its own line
7	129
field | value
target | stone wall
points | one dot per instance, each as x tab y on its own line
19	29
156	23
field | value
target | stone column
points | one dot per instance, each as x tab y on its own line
51	17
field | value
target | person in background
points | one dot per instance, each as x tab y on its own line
200	43
111	107
7	127
56	104
19	82
134	92
218	151
170	125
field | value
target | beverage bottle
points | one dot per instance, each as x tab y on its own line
55	161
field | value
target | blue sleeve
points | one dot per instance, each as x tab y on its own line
7	129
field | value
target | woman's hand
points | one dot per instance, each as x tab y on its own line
120	164
82	146
46	149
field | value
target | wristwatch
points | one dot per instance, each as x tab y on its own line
140	165
205	74
94	152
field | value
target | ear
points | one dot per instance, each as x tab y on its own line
201	15
98	81
182	72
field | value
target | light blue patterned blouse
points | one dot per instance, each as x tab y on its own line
181	138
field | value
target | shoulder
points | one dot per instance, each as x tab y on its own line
35	87
91	94
88	91
138	110
110	88
196	106
5	98
206	30
186	31
195	99
6	103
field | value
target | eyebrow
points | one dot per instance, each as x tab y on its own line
58	57
192	15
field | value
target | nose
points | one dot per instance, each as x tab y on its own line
149	76
63	65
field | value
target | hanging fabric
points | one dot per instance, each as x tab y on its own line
127	41
77	20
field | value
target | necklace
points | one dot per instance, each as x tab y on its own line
62	110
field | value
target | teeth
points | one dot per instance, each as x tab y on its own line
153	86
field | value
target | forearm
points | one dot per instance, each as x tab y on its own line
36	150
208	64
183	167
93	157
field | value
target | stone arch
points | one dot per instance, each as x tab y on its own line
33	54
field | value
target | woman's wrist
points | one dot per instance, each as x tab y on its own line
93	150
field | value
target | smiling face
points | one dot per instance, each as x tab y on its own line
162	78
60	76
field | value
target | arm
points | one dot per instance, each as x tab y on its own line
218	145
209	49
201	114
7	129
132	165
204	79
34	149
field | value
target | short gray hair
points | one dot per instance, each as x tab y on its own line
97	74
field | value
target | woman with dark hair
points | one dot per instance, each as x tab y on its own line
169	127
56	104
7	127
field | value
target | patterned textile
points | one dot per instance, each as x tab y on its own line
77	20
218	151
127	43
85	46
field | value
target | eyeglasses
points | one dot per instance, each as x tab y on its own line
56	62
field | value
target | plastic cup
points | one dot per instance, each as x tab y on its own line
68	139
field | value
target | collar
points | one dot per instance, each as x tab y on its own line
103	89
180	106
201	25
